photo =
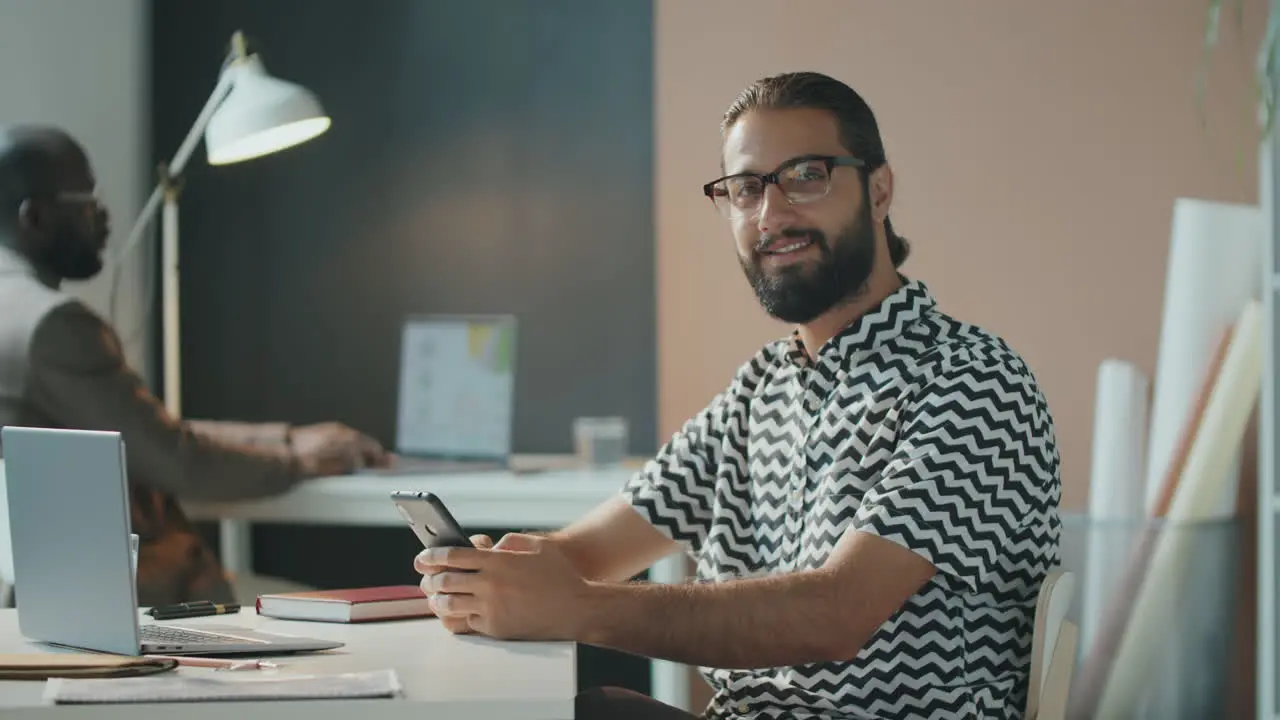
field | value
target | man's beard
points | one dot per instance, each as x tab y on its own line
800	292
71	256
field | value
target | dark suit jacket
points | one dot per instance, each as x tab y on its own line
61	366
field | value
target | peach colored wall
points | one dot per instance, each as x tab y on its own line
1038	149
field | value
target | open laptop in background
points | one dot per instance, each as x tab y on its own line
73	575
456	403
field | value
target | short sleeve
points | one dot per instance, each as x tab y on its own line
676	490
974	461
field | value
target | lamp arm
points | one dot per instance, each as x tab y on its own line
179	162
226	79
165	185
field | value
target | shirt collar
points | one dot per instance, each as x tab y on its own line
13	263
878	325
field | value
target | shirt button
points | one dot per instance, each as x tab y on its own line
743	707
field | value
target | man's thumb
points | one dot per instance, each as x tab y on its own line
519	542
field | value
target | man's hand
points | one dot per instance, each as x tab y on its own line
526	588
334	449
455	623
523	588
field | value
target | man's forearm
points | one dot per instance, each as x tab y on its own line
271	435
777	621
612	543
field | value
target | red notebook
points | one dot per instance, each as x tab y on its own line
389	602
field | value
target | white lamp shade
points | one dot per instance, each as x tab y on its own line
261	115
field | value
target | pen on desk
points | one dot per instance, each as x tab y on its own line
218	663
192	609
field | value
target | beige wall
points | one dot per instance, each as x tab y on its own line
1038	149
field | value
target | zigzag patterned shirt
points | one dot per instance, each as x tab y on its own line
909	425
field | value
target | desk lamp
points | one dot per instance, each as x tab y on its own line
249	114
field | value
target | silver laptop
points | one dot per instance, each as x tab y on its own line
456	402
73	576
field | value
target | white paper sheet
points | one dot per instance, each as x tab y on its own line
1215	251
1117	488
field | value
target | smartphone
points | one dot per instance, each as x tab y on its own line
429	519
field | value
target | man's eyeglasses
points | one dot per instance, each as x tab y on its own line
83	197
802	180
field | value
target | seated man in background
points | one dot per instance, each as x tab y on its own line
61	366
872	502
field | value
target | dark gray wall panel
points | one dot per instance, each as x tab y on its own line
485	156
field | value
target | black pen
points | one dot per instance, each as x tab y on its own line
199	608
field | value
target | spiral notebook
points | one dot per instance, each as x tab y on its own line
210	686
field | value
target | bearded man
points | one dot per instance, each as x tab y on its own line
872	503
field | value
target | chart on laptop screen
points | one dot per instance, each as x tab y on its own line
457	385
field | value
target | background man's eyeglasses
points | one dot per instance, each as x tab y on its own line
802	180
84	197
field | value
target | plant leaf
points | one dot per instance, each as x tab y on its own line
1267	64
1213	13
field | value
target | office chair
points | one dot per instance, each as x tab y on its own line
1053	649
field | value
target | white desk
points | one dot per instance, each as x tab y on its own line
444	677
534	501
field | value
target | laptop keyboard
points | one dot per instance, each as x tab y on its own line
173	635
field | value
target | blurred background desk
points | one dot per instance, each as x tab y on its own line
544	500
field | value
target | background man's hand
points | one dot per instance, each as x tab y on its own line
457	624
334	449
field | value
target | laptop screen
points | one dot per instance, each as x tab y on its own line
457	387
69	528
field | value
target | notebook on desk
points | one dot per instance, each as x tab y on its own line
42	666
456	400
349	605
208	687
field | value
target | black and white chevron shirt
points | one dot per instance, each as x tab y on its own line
910	425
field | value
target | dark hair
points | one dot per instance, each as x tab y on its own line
28	165
859	132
